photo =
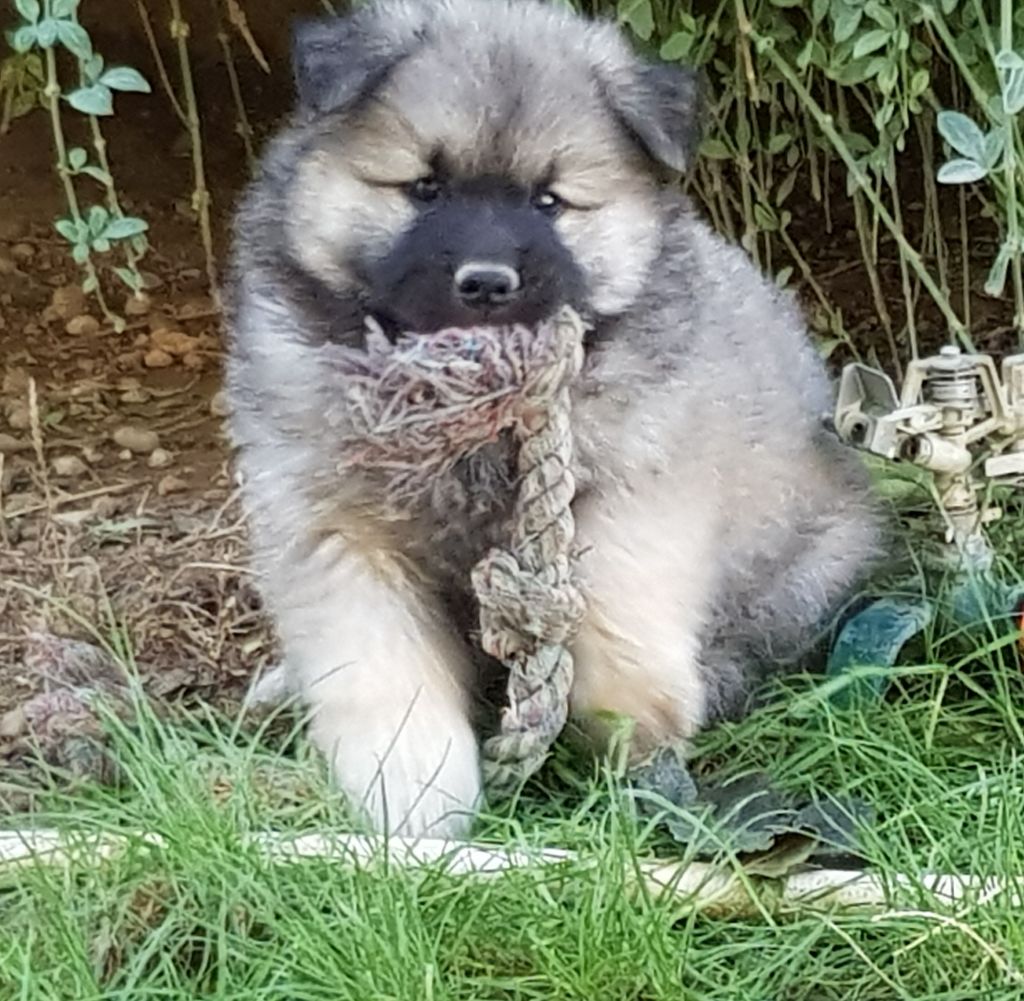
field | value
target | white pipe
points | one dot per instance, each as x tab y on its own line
714	889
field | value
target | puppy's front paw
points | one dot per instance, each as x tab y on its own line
412	769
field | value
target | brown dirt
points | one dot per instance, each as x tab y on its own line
95	539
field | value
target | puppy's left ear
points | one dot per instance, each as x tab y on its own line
661	107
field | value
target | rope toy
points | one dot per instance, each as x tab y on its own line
418	406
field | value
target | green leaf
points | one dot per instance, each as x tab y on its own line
98	175
715	149
846	24
90	284
93	67
961	171
74	38
779	142
856	72
962	134
827	345
782	279
743	134
639	16
888	77
948	6
139	244
881	14
64	8
46	32
677	46
124	78
131	278
67	229
24	38
765	218
996	280
80	253
77	157
812	53
125	227
1009	60
870	42
101	245
29	9
94	100
98	219
785	189
819	8
995	143
1013	90
919	82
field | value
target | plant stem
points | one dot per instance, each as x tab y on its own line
200	194
52	93
161	66
244	128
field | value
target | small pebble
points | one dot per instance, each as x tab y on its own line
157	358
195	306
70	466
159	458
137	305
13	723
135	395
66	302
174	342
171	484
193	361
141	441
82	325
92	454
23	251
159	320
19	417
219	404
15	381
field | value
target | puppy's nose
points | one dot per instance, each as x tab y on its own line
486	283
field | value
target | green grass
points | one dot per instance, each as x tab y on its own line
942	763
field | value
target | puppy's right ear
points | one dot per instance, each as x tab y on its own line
336	61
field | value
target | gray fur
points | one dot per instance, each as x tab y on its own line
723	525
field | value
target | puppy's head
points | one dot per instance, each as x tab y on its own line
481	161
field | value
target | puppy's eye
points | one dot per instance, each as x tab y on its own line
425	189
546	201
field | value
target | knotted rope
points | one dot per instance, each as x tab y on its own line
417	407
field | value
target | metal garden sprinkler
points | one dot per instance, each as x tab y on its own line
962	421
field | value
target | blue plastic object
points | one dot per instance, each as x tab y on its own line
873	638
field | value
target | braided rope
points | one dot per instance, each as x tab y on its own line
530	607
